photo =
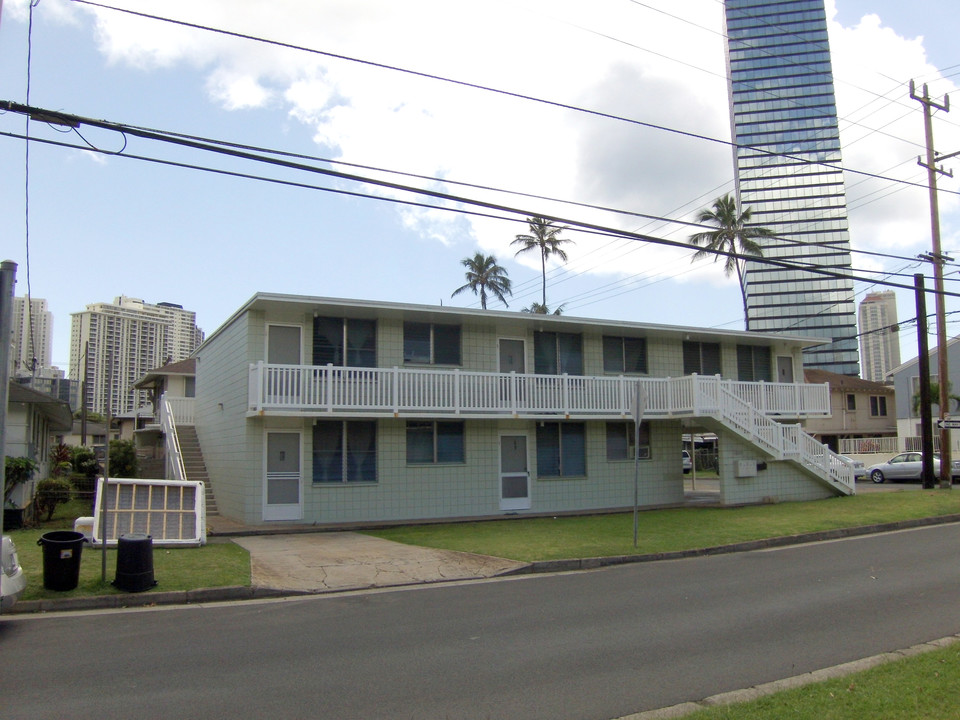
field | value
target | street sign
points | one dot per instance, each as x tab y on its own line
949	424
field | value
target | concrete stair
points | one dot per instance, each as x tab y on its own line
193	463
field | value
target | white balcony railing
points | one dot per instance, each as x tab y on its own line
747	408
182	409
300	389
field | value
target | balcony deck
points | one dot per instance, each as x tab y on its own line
306	390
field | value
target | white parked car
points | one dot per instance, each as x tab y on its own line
12	581
687	462
859	471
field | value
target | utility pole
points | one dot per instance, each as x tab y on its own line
938	260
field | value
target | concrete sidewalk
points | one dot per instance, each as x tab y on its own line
336	561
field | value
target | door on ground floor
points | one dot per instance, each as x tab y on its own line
514	473
282	495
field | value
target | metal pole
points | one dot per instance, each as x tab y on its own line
8	274
923	360
105	486
637	412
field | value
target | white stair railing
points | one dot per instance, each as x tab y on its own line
168	424
782	441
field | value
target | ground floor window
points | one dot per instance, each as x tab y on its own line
561	449
430	442
344	451
620	441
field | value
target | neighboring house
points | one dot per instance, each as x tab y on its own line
325	411
33	421
173	383
93	436
858	409
906	383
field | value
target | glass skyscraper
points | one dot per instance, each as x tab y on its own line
787	154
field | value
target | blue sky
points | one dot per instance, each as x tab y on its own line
102	225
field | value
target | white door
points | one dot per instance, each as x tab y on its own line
784	368
511	361
283	344
282	497
514	473
282	385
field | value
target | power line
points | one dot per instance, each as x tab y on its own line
516	213
483	88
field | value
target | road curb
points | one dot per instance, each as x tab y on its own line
790	683
574	564
223	594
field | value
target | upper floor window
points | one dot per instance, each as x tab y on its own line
702	358
851	402
431	343
753	363
878	406
345	342
624	355
557	353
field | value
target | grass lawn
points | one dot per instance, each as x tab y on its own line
216	564
924	687
531	539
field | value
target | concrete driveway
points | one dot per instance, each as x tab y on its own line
326	562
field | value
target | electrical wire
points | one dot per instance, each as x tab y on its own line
477	86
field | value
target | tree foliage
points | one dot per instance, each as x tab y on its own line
50	493
484	274
732	238
544	237
935	398
123	459
84	462
17	470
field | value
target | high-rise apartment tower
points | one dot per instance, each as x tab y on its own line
114	345
787	154
32	337
879	338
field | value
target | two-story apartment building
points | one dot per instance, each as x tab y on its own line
326	411
858	409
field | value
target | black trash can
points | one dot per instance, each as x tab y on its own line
61	559
134	563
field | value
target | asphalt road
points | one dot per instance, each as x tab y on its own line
598	645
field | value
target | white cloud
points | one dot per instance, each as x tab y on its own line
622	59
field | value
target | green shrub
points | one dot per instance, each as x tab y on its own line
51	493
84	462
17	470
123	459
60	460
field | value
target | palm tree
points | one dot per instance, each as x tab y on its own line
935	397
538	309
545	237
733	237
484	274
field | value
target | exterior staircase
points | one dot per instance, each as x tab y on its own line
782	441
193	463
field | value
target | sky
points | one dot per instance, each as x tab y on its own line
613	113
